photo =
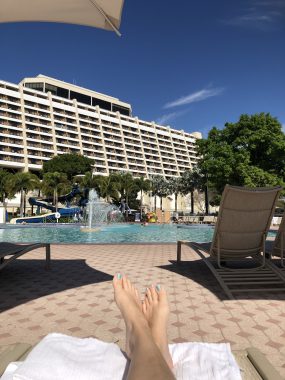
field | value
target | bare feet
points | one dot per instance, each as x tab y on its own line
156	310
129	303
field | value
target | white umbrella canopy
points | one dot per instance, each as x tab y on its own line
104	14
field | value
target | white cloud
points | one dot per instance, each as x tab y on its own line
162	120
283	127
262	14
253	19
195	97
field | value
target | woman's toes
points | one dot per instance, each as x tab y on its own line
148	294
146	302
154	294
161	293
117	280
126	283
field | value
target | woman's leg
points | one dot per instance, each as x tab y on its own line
156	310
147	361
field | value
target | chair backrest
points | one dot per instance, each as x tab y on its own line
276	250
244	219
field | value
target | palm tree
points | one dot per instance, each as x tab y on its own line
155	186
23	182
55	183
163	190
159	187
175	187
106	187
143	185
125	185
86	180
194	180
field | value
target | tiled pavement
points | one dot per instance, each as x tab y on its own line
76	298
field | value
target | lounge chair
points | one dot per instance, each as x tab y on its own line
253	364
209	219
277	246
241	229
10	252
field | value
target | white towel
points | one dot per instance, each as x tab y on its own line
61	357
204	361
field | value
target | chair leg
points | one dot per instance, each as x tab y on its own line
47	256
179	247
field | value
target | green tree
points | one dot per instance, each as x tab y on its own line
175	187
55	184
155	181
160	188
250	152
70	164
87	180
143	185
126	185
23	182
106	188
188	186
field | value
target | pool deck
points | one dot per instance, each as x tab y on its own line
75	297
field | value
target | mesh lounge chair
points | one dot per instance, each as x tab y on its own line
253	364
241	229
10	252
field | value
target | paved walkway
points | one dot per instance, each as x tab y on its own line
76	298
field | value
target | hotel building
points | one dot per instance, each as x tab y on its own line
42	117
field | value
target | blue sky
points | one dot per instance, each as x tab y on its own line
190	64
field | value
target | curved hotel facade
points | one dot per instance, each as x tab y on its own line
42	117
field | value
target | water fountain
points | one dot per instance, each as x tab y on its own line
99	213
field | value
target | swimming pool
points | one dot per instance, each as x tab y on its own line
120	233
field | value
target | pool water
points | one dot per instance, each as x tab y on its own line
120	233
124	233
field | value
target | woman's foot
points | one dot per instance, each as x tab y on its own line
129	303
156	310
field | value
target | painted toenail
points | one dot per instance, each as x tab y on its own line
158	287
119	276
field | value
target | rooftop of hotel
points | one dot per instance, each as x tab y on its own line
99	96
75	297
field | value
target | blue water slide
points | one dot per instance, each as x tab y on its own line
41	203
64	211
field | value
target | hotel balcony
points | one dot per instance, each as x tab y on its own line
132	143
9	99
65	127
110	145
118	167
12	108
92	146
11	161
99	171
10	123
36	106
11	132
11	149
35	137
67	143
93	154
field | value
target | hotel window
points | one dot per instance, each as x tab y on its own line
35	86
80	97
101	103
122	110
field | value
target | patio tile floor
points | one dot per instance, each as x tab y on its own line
75	297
